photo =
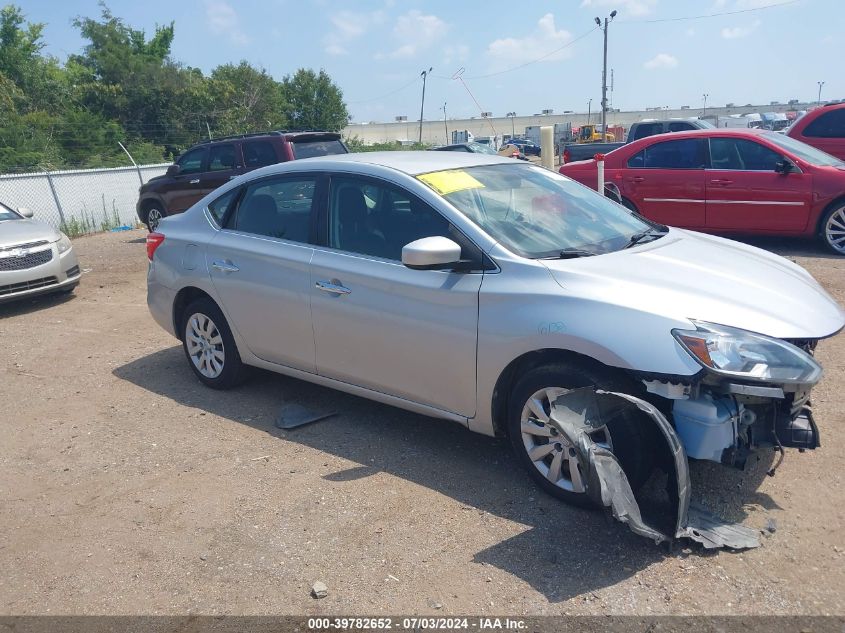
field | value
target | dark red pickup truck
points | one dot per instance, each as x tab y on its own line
823	128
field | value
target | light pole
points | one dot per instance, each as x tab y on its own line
607	21
445	125
704	109
513	130
589	108
423	74
821	83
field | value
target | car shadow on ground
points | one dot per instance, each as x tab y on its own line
33	304
563	552
788	246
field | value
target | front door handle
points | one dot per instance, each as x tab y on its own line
334	288
637	179
721	181
194	181
224	266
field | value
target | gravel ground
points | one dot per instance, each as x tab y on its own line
128	488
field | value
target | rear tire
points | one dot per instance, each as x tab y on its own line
625	436
209	345
833	228
153	217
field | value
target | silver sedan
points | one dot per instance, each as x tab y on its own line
487	291
35	258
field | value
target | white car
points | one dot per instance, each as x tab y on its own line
491	292
35	258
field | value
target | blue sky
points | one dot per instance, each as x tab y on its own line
376	49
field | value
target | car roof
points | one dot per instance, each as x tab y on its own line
411	163
735	132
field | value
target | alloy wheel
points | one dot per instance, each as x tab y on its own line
205	345
834	230
153	218
552	454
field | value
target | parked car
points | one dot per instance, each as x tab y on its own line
729	181
471	147
823	128
525	146
489	291
204	167
35	258
573	152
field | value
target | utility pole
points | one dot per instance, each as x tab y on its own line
423	74
512	115
704	110
821	83
611	88
607	21
589	108
445	124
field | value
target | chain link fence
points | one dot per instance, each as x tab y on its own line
81	200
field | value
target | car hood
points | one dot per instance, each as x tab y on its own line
686	275
14	232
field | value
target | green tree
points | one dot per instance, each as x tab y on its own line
314	101
246	100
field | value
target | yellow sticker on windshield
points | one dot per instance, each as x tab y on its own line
446	182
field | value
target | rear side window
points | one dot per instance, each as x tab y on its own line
828	125
647	129
278	207
679	126
258	154
312	148
221	158
688	153
191	162
219	207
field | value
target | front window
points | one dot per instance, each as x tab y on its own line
803	151
729	153
7	214
535	212
191	162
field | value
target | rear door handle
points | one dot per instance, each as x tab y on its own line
637	179
327	286
194	181
720	181
224	266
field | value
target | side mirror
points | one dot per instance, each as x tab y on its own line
173	170
27	213
431	253
784	166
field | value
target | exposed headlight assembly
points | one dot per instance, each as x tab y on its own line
63	244
741	354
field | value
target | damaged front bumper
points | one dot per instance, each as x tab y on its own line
577	413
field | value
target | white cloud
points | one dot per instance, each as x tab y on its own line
735	32
417	32
625	7
348	26
661	60
544	39
222	19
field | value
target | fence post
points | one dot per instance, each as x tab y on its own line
56	197
599	158
138	169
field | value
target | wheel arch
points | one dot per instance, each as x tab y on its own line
836	202
527	361
147	203
183	299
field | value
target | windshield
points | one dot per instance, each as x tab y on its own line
535	212
803	151
480	148
7	214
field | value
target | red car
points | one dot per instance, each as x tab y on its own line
823	128
728	181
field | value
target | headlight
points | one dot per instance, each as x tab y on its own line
63	244
741	354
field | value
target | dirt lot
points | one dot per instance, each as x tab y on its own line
129	488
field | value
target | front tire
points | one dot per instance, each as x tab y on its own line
555	465
210	347
833	229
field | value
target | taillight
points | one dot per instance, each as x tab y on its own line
567	156
154	240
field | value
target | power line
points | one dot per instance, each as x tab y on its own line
392	92
711	15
